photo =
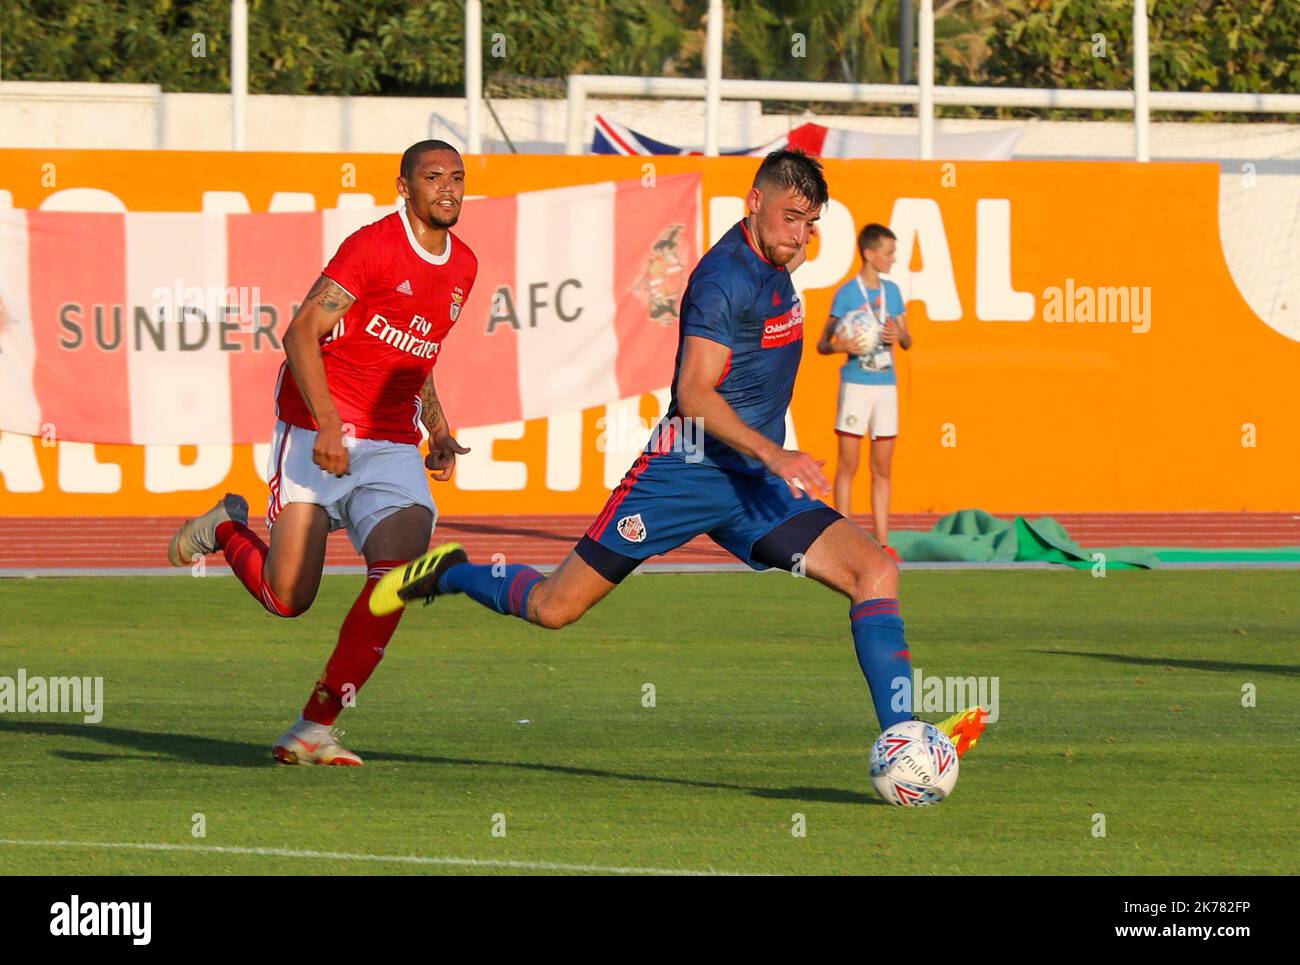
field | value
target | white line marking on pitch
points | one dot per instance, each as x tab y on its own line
345	856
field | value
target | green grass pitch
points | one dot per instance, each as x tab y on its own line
1120	696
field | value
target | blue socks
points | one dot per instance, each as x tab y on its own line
877	630
884	658
507	593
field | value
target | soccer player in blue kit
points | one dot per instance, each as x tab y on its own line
739	348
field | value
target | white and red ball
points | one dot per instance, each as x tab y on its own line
913	764
863	329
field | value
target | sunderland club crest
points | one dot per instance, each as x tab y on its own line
664	278
632	529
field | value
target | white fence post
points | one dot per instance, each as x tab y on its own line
925	77
473	76
576	115
238	75
713	79
1141	82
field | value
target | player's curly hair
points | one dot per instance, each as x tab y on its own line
791	168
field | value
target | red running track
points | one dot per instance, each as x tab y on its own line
141	541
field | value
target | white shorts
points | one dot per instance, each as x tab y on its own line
382	478
867	409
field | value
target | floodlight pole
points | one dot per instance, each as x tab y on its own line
713	79
1141	83
925	107
906	40
473	76
238	75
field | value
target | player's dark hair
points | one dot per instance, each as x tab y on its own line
791	168
872	235
411	157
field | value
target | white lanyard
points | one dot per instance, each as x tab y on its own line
867	299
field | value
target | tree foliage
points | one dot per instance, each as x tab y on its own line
408	47
332	46
1195	45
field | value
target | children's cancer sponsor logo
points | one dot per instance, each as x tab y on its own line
784	329
632	529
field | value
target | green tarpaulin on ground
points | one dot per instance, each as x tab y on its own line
974	536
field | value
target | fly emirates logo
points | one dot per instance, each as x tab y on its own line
412	340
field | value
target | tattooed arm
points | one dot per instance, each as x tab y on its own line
324	306
435	421
443	449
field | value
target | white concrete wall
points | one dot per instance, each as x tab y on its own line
79	115
140	116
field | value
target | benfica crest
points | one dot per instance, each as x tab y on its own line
457	300
664	278
632	529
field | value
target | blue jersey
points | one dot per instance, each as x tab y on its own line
851	296
741	300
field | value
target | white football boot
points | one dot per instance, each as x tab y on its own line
198	537
307	742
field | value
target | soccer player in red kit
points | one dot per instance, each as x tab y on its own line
356	384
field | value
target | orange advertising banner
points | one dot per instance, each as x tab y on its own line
1079	344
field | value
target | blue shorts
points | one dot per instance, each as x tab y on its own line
664	502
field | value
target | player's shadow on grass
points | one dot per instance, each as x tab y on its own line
820	795
88	758
191	749
1222	666
186	748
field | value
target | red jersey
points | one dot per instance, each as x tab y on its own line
382	350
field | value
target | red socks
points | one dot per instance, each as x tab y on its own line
362	640
246	554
